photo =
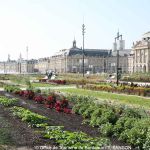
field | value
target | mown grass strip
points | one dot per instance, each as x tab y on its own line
43	85
119	98
36	85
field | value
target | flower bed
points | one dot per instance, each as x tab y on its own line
142	91
63	82
43	80
52	101
39	99
138	77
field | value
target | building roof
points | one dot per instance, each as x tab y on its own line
124	52
146	35
74	50
89	52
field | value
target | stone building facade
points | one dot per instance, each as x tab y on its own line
27	66
42	65
71	61
112	64
15	67
141	54
111	61
130	64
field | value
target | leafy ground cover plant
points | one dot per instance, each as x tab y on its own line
11	88
74	140
66	139
8	101
25	115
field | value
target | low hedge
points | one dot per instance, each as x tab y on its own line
141	91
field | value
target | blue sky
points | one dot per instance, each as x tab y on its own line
47	26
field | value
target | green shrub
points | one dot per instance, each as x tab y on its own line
87	113
106	129
146	145
119	127
109	115
76	108
83	108
94	116
130	112
137	135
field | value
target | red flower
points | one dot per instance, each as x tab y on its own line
67	110
49	106
21	93
57	104
51	100
28	94
39	99
58	109
64	103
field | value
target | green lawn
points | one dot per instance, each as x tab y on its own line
43	85
50	85
119	98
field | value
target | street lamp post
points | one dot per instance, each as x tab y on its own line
83	32
117	66
4	68
20	63
104	58
27	60
20	67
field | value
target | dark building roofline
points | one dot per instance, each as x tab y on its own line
89	52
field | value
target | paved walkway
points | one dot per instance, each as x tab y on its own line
59	87
45	88
1	89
